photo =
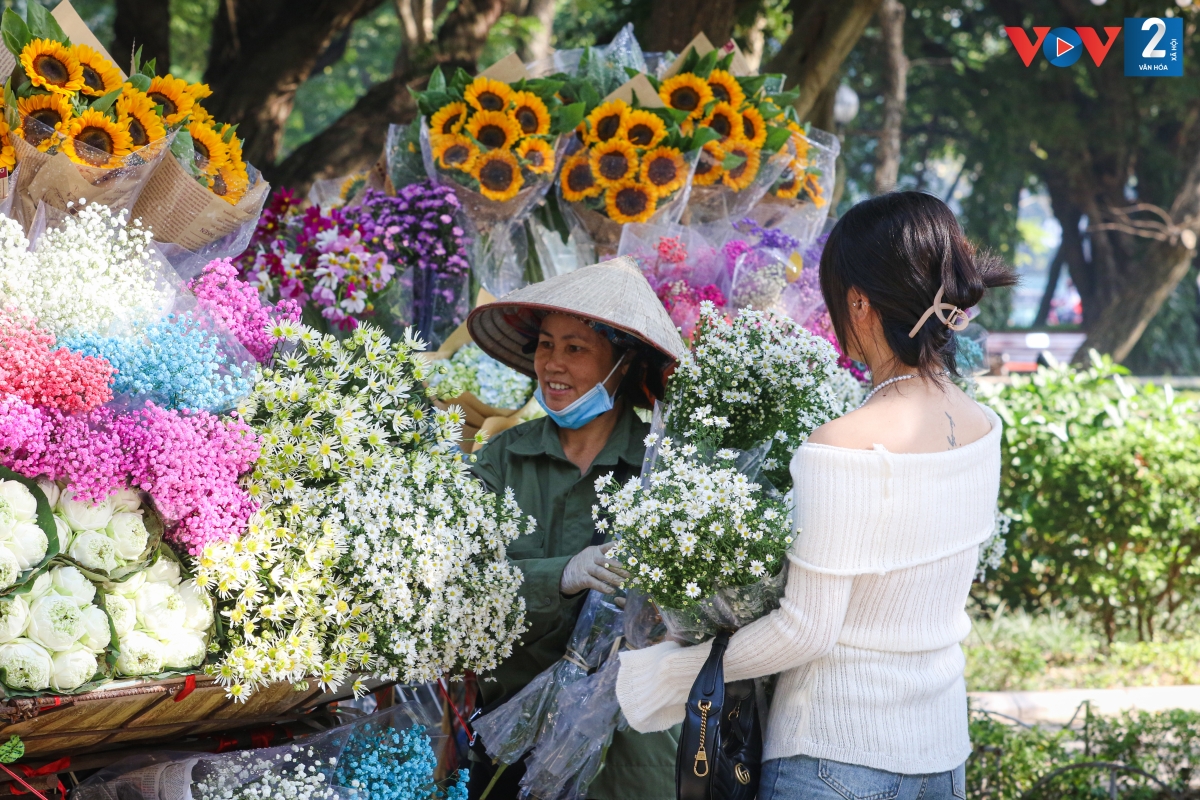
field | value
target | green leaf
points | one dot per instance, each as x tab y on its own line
671	116
544	88
776	138
185	150
590	96
732	161
136	65
15	32
567	118
437	81
689	61
462	79
150	67
783	99
752	85
703	136
43	25
105	102
11	750
11	115
706	65
140	82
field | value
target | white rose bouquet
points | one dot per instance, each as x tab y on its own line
109	539
28	535
375	550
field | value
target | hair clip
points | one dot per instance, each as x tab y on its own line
957	321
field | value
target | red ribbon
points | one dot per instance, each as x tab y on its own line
46	769
466	728
189	686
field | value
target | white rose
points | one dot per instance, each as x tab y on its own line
83	516
96	633
164	571
42	585
128	587
124	615
141	654
20	499
129	534
51	490
72	583
8	518
198	607
184	650
10	568
94	550
55	622
65	534
126	500
26	665
72	668
28	543
14	616
160	609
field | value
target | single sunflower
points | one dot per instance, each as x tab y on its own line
607	120
812	188
614	161
538	155
211	152
230	183
686	92
100	76
448	119
499	175
725	120
754	129
789	185
49	112
725	88
97	141
52	66
8	156
454	151
486	94
741	176
644	129
143	122
664	169
630	201
577	180
171	93
531	114
708	166
494	129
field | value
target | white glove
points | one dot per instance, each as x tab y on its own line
591	569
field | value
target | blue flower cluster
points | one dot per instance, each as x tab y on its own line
383	763
177	362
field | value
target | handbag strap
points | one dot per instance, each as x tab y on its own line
701	735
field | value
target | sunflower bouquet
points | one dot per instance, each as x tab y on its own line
496	143
747	114
799	199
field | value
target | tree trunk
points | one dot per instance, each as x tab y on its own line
823	34
356	139
539	46
1052	279
756	42
1150	280
145	24
262	50
673	24
895	95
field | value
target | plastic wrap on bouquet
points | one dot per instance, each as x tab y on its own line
719	201
682	266
759	278
799	201
604	66
516	727
49	175
729	609
496	227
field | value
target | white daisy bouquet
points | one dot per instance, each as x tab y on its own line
374	551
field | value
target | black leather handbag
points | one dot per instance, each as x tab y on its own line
720	747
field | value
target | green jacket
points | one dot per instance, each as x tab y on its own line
529	459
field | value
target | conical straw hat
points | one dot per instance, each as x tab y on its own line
612	292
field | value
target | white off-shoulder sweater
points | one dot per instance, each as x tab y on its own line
866	640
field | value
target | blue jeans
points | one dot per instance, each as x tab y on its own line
805	778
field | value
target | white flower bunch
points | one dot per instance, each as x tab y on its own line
847	388
696	529
759	377
52	635
86	274
375	550
162	621
101	536
296	774
23	543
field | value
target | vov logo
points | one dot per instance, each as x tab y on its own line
1062	46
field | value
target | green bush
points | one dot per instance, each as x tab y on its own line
1102	481
1009	760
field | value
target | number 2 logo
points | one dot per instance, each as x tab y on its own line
1160	30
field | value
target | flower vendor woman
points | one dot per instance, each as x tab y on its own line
599	344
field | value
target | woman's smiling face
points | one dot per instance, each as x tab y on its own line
571	359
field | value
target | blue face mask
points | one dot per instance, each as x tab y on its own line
585	409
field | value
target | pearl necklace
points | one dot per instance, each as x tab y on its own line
884	385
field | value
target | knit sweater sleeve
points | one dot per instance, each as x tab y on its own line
653	684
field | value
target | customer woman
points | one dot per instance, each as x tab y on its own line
892	500
599	343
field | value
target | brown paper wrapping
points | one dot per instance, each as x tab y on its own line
739	67
478	416
181	211
640	86
509	69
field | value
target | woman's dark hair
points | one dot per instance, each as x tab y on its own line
898	249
